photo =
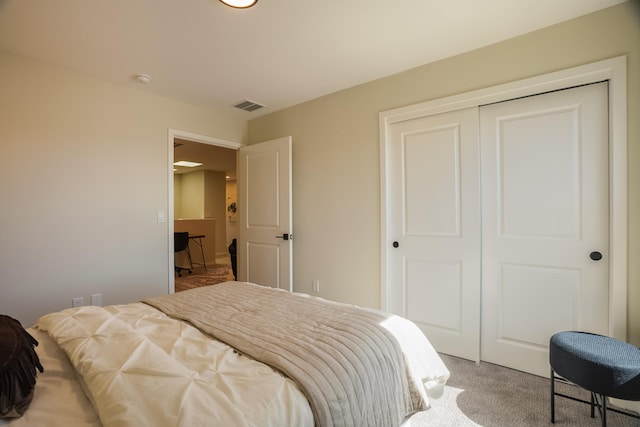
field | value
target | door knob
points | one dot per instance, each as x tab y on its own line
396	244
595	255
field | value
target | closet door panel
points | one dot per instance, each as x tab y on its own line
429	153
545	209
435	217
539	174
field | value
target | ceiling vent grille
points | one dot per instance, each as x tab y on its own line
248	105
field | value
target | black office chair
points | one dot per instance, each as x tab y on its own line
181	244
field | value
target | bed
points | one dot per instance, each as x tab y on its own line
231	354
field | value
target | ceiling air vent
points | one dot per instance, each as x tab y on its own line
248	105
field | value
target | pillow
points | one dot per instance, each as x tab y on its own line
18	363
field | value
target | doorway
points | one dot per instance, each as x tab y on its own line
218	160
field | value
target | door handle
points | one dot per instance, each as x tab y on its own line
595	255
396	244
285	236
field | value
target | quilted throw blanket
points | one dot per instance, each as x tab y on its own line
357	367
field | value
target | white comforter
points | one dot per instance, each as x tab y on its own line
138	372
357	367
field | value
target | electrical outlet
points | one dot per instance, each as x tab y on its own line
77	302
315	286
96	299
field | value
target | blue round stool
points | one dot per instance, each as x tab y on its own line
604	366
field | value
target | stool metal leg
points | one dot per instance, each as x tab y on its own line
204	261
189	256
602	406
553	397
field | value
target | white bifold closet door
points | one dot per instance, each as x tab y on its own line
496	212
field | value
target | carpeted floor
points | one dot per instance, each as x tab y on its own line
491	395
216	273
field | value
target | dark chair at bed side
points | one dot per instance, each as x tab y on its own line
181	244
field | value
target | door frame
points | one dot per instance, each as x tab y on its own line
613	70
189	136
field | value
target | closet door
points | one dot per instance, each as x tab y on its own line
545	222
434	228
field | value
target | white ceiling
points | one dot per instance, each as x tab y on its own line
278	53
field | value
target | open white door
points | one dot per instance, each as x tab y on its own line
264	202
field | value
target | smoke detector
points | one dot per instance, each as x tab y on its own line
142	78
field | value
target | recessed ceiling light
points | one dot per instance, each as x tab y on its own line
240	4
187	164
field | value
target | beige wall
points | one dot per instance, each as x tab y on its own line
215	207
336	162
79	217
202	194
192	195
84	173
